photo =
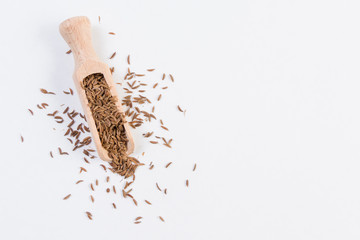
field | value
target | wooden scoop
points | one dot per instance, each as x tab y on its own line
77	33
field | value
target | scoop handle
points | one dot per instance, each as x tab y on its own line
77	33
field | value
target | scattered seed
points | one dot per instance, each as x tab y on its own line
154	142
108	190
114	205
127	184
68	52
22	138
128	59
79	181
167	145
51	154
66	110
70	124
32	113
43	91
157	185
103	166
113	55
67	197
89	215
92	198
44	105
135	202
114	189
167	165
161	218
180	109
165	128
150	70
163	77
194	167
148	202
165	190
159	97
111	33
97	182
92	187
187	182
148	134
62	153
171	77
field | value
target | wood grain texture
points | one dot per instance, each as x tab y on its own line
76	32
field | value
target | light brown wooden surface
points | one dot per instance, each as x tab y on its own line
77	33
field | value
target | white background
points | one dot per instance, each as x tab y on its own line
271	90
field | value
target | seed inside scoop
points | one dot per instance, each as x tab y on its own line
109	123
